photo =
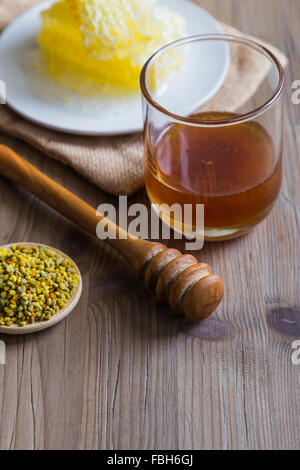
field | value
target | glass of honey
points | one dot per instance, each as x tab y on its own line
212	108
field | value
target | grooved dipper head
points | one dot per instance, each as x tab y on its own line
189	287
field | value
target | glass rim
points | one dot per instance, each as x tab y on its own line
216	122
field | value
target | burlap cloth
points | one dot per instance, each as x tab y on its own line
115	164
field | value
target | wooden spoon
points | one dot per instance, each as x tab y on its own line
58	316
179	280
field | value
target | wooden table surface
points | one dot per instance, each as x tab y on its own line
121	372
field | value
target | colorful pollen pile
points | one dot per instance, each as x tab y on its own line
35	283
105	42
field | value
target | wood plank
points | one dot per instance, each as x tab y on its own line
121	372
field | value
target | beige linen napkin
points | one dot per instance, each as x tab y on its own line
115	164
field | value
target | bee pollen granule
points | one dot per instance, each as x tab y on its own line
35	283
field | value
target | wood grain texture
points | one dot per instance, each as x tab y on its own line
160	266
121	372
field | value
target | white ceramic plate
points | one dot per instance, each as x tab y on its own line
41	100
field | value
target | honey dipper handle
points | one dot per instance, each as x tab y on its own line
188	287
21	172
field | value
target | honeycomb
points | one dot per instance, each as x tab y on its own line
105	42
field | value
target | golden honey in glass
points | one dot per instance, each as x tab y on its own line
229	161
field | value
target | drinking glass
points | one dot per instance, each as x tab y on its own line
212	107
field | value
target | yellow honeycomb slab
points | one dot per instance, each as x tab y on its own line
104	42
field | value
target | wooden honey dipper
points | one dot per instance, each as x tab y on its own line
190	288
